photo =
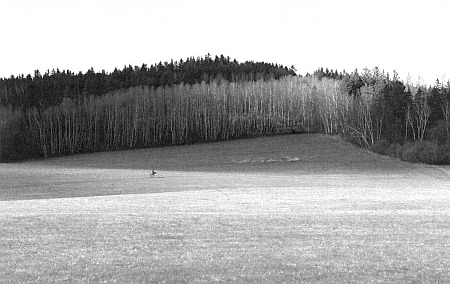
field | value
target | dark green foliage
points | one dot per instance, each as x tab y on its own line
394	101
353	83
426	152
50	89
444	152
438	133
436	98
327	73
15	142
386	148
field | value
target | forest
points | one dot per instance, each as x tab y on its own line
206	99
50	88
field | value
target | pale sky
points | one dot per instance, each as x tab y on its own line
410	36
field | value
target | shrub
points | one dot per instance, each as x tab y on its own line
444	152
384	147
381	147
438	133
426	152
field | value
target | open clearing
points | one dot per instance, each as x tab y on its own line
282	209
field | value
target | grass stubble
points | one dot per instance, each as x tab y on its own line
299	221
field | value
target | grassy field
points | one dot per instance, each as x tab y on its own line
282	209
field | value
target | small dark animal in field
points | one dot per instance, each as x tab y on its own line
152	174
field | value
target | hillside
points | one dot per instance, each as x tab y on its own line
298	153
282	209
284	158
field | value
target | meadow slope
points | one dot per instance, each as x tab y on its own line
126	172
281	209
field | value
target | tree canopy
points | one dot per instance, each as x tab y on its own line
49	89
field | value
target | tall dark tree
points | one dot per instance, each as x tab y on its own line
395	101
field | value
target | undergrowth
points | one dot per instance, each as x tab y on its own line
427	152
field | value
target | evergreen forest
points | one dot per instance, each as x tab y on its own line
211	99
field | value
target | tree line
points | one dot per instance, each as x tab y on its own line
52	87
370	108
172	115
404	119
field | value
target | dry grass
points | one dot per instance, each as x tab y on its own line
366	219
